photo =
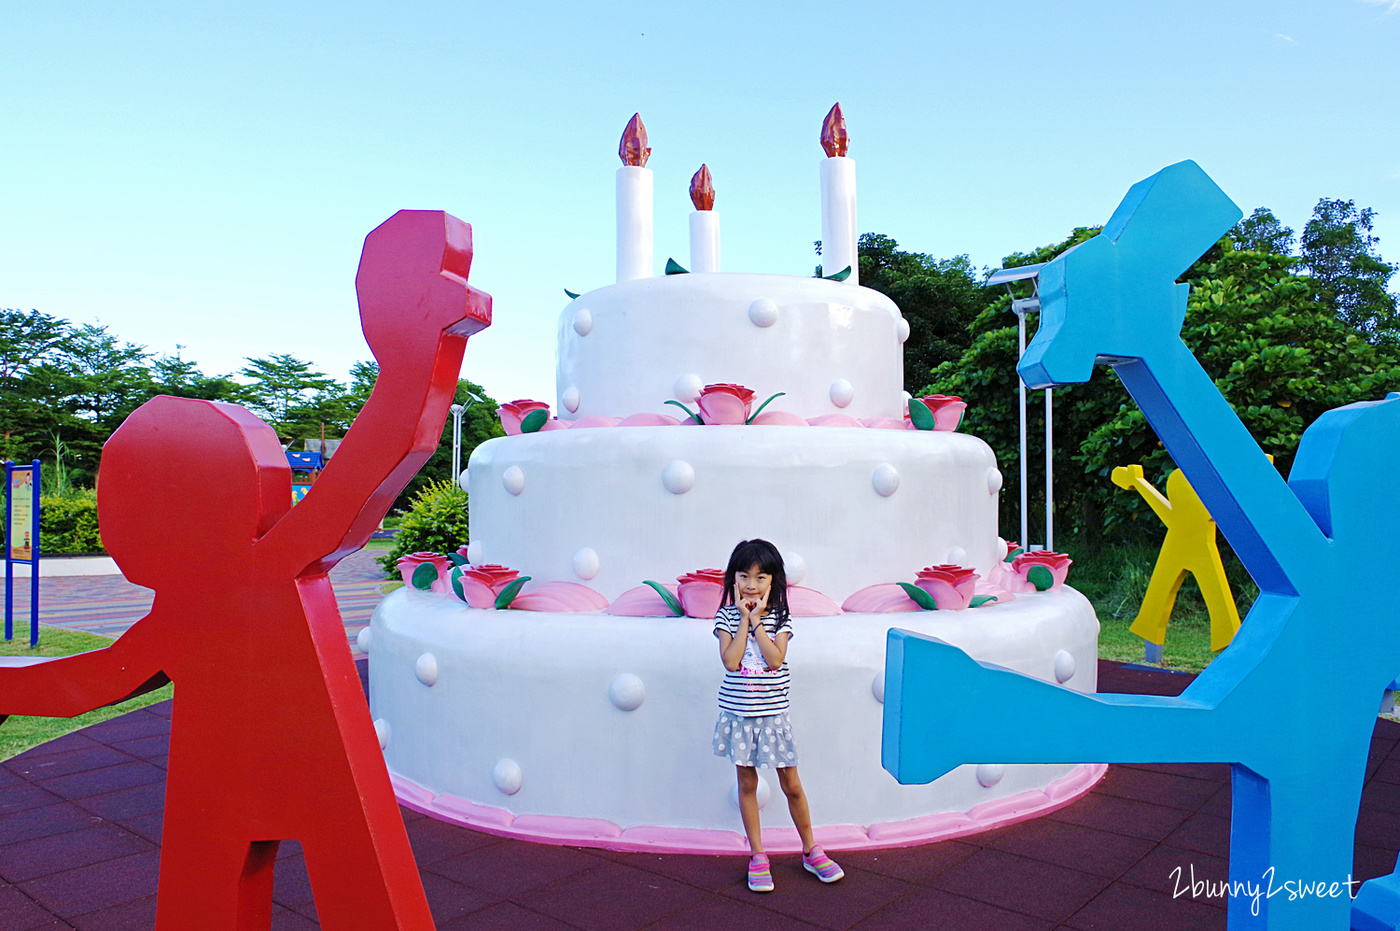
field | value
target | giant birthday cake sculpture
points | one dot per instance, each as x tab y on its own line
557	680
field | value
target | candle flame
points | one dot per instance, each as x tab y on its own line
702	190
633	147
834	138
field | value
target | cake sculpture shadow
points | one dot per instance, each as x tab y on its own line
270	739
1291	704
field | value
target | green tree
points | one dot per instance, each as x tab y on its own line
1350	277
1261	231
28	340
287	392
938	297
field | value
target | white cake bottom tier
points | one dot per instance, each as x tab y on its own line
515	723
846	506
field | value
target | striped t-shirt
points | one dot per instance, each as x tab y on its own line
753	689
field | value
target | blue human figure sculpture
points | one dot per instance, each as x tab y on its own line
1291	703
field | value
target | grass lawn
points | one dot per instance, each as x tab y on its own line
20	732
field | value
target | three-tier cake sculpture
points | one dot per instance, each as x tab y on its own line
578	706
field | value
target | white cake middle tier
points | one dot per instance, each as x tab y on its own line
848	507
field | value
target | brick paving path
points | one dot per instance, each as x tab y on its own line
80	834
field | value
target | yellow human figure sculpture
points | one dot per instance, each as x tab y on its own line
1189	547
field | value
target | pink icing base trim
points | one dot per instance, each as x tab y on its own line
589	832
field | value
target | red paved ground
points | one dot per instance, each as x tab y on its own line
80	834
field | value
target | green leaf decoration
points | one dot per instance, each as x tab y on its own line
763	405
532	421
980	600
842	275
508	593
694	417
920	597
674	268
1041	578
572	295
456	579
919	414
458	559
666	596
1014	553
424	576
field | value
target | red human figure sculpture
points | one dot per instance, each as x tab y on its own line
271	738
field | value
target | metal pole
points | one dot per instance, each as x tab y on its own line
9	566
1021	389
1049	477
34	565
457	411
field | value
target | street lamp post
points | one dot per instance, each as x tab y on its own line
457	411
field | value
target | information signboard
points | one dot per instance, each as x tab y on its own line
22	541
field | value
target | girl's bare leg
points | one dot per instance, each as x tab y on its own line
748	806
797	805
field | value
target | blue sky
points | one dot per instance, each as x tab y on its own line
204	175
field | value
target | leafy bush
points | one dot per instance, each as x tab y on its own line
68	523
436	523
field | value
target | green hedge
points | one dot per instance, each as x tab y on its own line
68	523
437	523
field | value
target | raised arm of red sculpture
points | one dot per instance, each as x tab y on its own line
416	310
73	685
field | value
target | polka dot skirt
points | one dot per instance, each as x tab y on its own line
759	742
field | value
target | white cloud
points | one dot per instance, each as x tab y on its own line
1391	6
1292	41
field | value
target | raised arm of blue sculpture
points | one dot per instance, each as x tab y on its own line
1291	704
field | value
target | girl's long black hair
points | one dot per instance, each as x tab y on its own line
765	555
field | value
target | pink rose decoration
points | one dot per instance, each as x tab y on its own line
642	601
947	411
700	592
725	404
491	575
885	598
950	587
406	565
512	412
564	597
1056	563
808	602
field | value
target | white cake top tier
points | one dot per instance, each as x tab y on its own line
833	348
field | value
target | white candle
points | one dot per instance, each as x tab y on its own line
634	222
838	180
704	241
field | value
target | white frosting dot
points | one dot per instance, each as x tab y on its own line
763	312
877	687
764	793
363	638
989	774
381	730
627	692
957	556
678	477
795	568
513	479
586	563
842	392
993	480
583	321
507	776
885	479
571	398
462	481
901	329
476	553
426	669
688	387
1064	666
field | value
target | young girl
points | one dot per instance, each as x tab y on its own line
753	729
